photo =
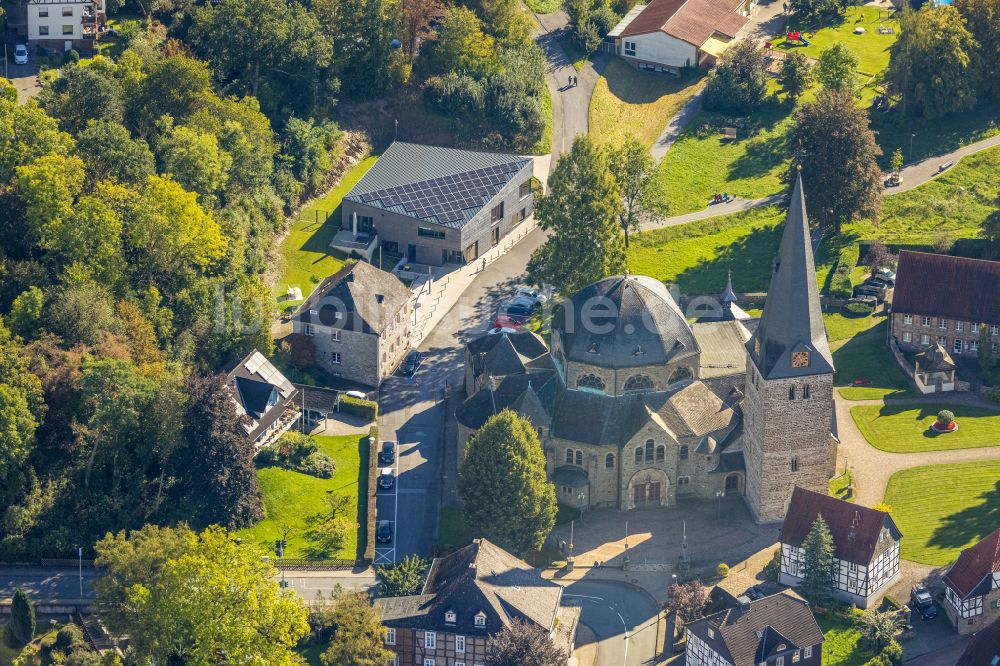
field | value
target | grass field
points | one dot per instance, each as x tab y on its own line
305	254
865	356
628	100
942	509
841	487
544	144
701	164
295	501
840	326
842	640
907	428
871	48
935	137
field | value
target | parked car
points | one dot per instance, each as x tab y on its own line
383	532
412	362
503	321
386	480
360	395
525	302
505	329
880	281
516	312
887	274
532	294
923	602
869	290
20	54
388	453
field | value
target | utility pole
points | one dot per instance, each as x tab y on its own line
569	557
79	550
625	560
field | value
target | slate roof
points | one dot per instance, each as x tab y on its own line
570	475
445	186
531	395
946	286
366	298
856	529
793	316
691	21
934	359
481	577
252	383
623	322
723	348
971	574
783	619
984	648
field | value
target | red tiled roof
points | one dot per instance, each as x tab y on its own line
855	529
945	286
692	21
984	649
974	564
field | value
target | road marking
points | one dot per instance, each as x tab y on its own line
583	596
395	507
625	660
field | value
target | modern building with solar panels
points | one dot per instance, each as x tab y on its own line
436	205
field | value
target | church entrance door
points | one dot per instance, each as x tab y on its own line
646	494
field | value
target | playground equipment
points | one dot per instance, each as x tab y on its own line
796	37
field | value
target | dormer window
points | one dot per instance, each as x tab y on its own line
760	634
711	632
450	617
593	348
480	619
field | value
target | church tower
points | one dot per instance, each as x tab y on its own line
788	410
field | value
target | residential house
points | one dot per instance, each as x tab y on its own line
940	299
264	397
865	546
436	205
61	25
468	596
356	324
972	586
779	630
984	648
669	35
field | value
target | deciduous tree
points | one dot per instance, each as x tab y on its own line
26	318
462	46
195	160
523	644
738	84
982	19
17	432
984	354
358	635
403	578
817	554
503	484
48	187
26	134
109	151
878	628
836	68
796	74
632	167
687	600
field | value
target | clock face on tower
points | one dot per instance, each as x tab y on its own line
800	359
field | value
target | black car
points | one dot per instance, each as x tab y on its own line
869	290
514	311
923	602
388	453
386	480
383	533
412	362
878	281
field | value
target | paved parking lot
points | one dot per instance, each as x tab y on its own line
24	77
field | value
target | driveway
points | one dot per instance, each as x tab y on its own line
24	78
622	617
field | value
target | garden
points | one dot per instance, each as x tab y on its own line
942	509
908	428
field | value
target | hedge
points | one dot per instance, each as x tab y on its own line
369	554
840	283
364	408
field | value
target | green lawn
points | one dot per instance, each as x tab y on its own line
628	100
871	48
865	356
576	55
907	428
935	137
841	487
700	163
843	326
941	509
544	144
295	501
842	640
305	255
543	6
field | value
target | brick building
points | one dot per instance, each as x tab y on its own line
972	586
983	649
779	630
865	546
940	299
356	324
468	596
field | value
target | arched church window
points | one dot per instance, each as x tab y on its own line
661	453
590	381
569	456
680	374
579	457
649	450
638	455
791	393
795	464
638	383
609	460
805	392
684	452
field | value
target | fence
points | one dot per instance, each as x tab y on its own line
300	564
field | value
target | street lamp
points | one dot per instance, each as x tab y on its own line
720	494
581	498
912	134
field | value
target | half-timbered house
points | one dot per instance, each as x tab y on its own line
972	586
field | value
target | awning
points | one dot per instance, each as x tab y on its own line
716	45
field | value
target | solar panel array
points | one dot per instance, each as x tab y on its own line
447	197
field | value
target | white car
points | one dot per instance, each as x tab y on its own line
20	54
533	294
503	329
356	394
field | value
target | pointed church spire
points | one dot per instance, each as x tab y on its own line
728	296
790	340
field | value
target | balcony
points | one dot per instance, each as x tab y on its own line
361	243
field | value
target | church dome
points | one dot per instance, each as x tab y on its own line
623	322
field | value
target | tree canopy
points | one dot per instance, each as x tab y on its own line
738	84
817	554
523	644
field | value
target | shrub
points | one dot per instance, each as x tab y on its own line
71	56
604	19
453	94
298	453
69	638
859	308
318	464
722	570
840	282
364	408
945	417
893	654
993	395
773	567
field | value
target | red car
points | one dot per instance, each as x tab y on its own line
503	321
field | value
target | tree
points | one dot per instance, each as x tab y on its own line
92	240
523	644
26	134
111	152
836	67
81	313
987	359
581	214
896	161
796	74
48	187
310	146
687	600
462	46
817	553
21	626
503	484
738	84
878	629
879	257
83	94
176	86
358	635
935	62
982	19
836	150
811	10
403	578
25	317
194	159
632	167
208	596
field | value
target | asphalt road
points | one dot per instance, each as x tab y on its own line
622	617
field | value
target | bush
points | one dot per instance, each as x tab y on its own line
992	395
318	464
604	19
453	94
773	567
945	417
722	570
69	638
840	283
298	453
367	409
859	308
71	56
893	654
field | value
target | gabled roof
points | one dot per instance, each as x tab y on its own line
793	316
358	297
480	578
975	565
444	186
984	648
723	348
782	619
691	21
531	395
950	287
527	343
856	529
252	382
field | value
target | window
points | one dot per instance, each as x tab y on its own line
649	450
661	453
450	617
852	567
630	48
309	329
67	11
335	358
428	661
67	29
943	324
959	326
925	339
973	345
994	347
994	329
427	232
430	639
609	460
780	661
524	190
335	335
957	347
579	458
683	480
497	213
795	657
807	651
459	643
805	392
569	456
907	336
925	321
390	637
943	341
638	455
791	393
43	13
795	464
590	381
907	319
480	619
638	383
684	452
43	30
